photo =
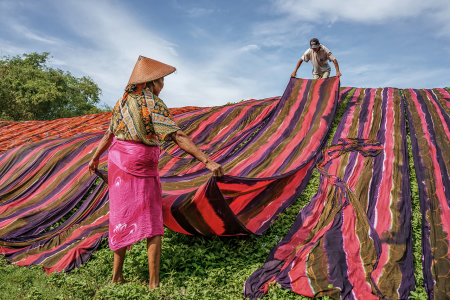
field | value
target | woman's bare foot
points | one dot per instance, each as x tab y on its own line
119	257
154	257
153	286
122	281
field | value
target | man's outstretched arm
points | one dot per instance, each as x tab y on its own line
294	74
337	68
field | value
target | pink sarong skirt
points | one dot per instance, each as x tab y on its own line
135	195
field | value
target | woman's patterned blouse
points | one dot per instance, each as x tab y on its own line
142	116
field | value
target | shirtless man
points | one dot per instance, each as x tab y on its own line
318	55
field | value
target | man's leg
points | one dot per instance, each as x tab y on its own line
154	257
316	76
325	74
119	257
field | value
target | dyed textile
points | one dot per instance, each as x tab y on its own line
268	150
429	125
14	134
277	137
353	240
142	116
42	182
39	184
134	193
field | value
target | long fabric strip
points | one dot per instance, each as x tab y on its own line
268	150
268	147
429	125
353	240
41	183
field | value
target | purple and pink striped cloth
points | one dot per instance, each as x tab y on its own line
268	149
429	127
353	240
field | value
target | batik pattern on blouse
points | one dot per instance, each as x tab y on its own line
142	116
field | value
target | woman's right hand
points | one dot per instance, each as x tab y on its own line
215	168
93	165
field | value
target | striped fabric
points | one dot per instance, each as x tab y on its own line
44	181
41	183
353	240
268	150
267	147
15	134
429	125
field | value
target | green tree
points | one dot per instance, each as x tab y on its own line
31	90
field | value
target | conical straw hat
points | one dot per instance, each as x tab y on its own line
147	69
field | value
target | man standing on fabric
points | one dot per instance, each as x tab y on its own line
318	55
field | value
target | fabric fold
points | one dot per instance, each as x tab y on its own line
353	240
268	149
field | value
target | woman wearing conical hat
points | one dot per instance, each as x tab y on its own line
139	123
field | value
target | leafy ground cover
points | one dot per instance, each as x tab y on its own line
191	267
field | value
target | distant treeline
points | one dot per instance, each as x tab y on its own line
31	90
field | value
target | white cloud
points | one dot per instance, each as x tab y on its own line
249	48
21	30
367	11
115	39
105	39
431	12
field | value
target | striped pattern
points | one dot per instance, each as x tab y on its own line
353	240
268	150
429	124
268	147
15	134
40	184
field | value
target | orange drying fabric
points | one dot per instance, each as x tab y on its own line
14	134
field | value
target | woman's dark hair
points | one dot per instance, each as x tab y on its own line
132	87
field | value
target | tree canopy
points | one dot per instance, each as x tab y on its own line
31	90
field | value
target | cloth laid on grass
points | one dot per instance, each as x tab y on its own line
15	134
268	150
46	181
353	240
274	140
429	125
39	184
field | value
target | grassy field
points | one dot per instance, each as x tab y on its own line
191	267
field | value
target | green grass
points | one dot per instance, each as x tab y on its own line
419	293
191	267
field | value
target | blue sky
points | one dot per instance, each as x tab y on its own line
226	51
